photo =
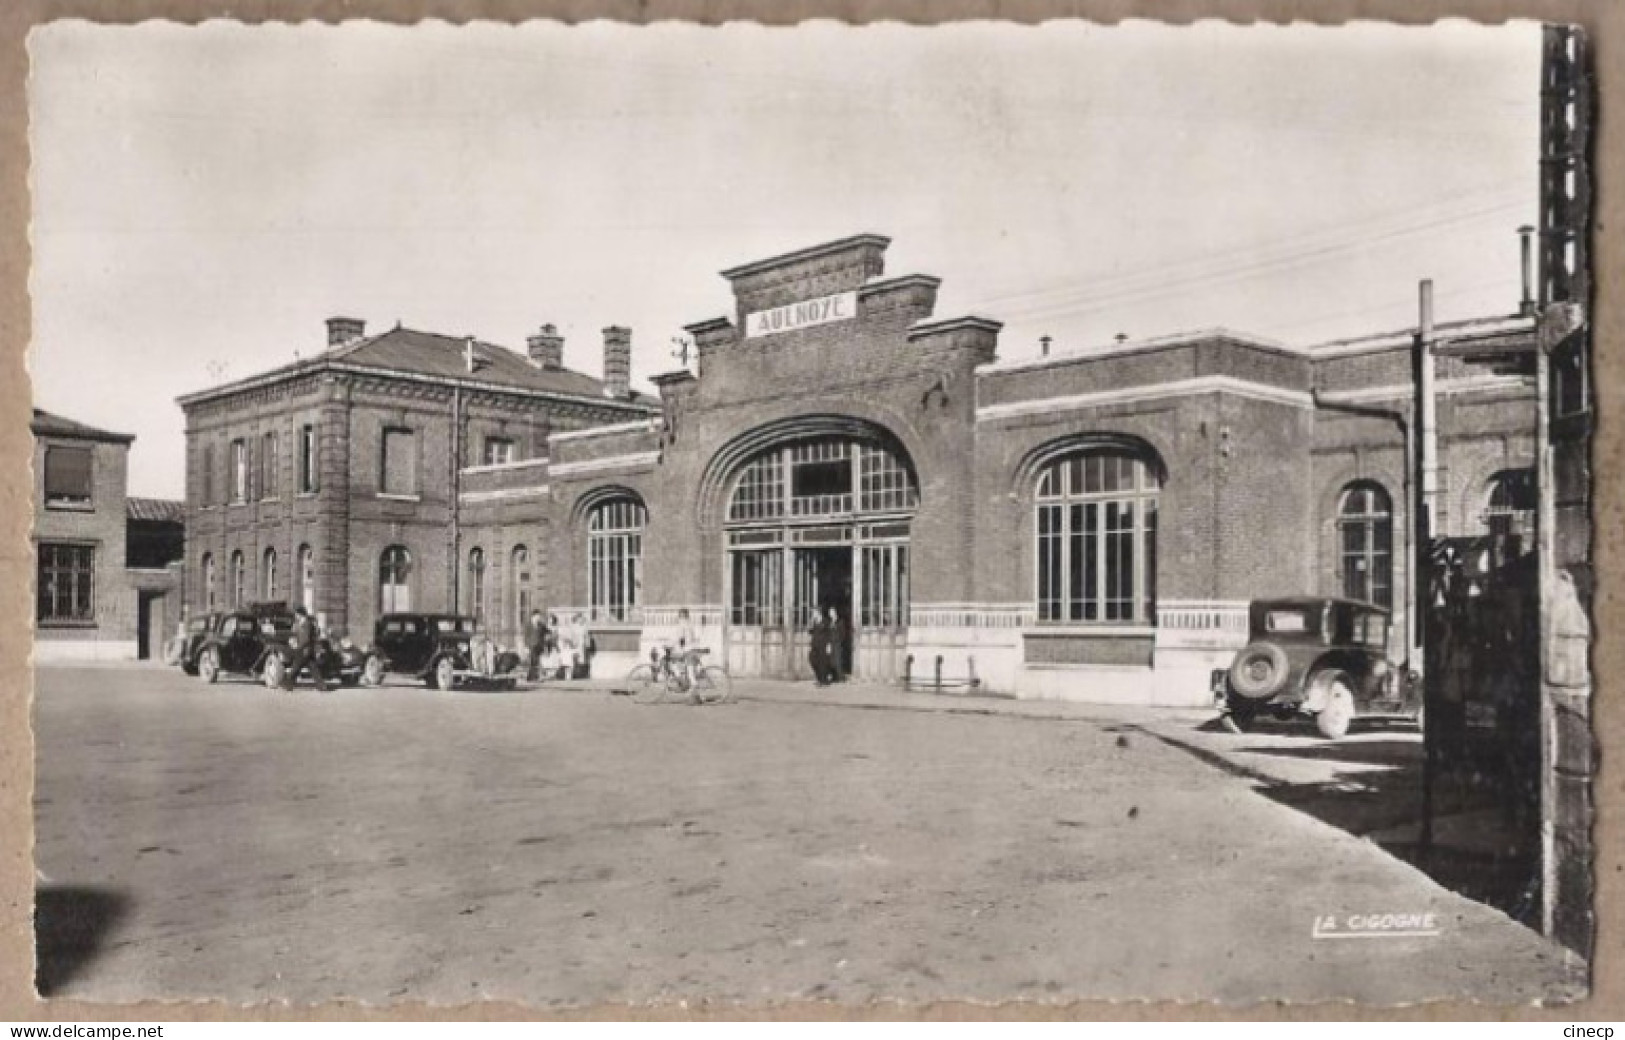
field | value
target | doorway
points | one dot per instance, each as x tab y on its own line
823	582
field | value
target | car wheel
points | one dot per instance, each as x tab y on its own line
275	672
1337	707
1258	670
208	665
372	673
445	673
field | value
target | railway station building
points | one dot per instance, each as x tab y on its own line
1089	524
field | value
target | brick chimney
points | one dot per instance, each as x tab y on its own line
618	362
546	348
344	330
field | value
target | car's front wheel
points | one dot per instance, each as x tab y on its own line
1337	705
372	672
208	665
275	672
445	674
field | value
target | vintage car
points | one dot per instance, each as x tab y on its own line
253	641
435	648
198	629
1324	658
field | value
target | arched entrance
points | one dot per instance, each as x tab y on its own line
815	522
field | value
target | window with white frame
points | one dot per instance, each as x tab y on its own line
66	584
476	584
268	465
209	600
614	558
239	470
239	578
498	451
268	576
395	580
522	576
305	578
309	475
1096	530
1365	527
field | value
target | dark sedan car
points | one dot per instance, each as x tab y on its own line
442	650
1324	658
253	641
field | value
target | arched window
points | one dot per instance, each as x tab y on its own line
304	577
395	580
209	600
520	600
1096	527
1509	510
239	579
476	584
615	558
268	576
1365	526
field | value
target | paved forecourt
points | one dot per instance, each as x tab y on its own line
564	846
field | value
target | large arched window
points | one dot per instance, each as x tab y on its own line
268	576
209	601
1096	527
1365	530
304	577
395	580
519	600
615	558
476	584
239	579
1509	510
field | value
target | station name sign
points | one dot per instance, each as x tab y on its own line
803	315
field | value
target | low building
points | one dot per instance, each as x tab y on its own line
107	574
1088	524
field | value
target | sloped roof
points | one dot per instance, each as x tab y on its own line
163	509
51	425
411	352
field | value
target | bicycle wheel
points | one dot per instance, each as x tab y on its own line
714	685
646	688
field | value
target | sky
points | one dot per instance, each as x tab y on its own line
204	197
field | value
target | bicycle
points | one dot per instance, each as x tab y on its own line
661	680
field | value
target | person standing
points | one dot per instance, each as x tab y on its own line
535	645
818	651
840	639
302	640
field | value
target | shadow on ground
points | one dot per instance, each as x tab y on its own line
71	926
1372	788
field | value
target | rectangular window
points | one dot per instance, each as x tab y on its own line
758	579
885	587
498	451
309	479
68	476
239	470
207	465
268	466
400	463
820	478
1049	563
67	584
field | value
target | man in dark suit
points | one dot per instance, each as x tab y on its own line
302	641
535	644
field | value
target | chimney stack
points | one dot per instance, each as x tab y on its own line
344	330
546	348
618	362
1526	305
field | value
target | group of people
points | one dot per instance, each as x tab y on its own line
550	645
830	654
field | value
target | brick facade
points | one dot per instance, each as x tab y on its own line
1253	444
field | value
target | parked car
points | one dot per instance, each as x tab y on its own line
1317	657
253	641
435	648
198	629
